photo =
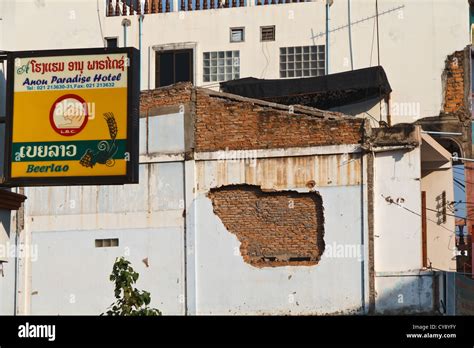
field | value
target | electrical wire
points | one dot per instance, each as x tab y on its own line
459	186
437	211
100	24
459	183
452	233
378	38
262	75
372	117
418	214
372	45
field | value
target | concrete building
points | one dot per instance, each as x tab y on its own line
199	262
442	27
10	249
288	213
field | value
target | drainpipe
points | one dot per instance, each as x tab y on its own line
140	23
19	226
328	3
327	37
124	36
350	32
125	23
362	232
15	286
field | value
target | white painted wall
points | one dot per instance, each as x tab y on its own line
228	285
414	40
63	222
225	284
441	241
7	263
81	283
400	285
404	293
397	240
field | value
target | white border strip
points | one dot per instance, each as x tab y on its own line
281	152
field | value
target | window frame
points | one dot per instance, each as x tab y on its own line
216	56
173	51
116	38
236	28
301	56
266	27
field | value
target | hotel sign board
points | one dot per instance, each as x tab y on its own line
72	117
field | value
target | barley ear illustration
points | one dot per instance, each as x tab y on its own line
86	160
112	124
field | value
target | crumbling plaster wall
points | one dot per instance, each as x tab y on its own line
274	228
230	281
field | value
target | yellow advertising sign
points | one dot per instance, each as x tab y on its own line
72	117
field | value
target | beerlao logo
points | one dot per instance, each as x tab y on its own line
69	114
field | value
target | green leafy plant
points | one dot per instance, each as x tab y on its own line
129	300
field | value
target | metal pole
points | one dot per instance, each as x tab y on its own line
15	286
124	36
440	133
350	32
454	158
140	49
378	42
327	37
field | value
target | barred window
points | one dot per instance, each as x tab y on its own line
267	33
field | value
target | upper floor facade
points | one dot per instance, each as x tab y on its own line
211	41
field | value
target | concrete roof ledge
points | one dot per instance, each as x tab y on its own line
399	136
433	155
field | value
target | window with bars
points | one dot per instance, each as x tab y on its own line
267	33
302	61
221	66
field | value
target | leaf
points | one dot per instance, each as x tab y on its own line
130	300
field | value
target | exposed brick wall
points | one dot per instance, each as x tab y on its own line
274	228
224	123
454	83
177	94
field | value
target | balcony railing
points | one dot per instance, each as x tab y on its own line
130	8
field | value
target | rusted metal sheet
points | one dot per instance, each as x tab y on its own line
282	172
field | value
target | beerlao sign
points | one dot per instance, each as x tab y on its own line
72	117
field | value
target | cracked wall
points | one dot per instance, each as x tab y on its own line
275	228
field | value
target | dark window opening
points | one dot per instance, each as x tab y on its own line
106	243
173	66
111	42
